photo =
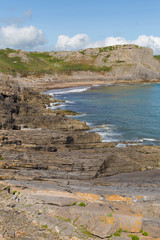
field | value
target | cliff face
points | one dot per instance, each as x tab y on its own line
123	62
114	63
111	56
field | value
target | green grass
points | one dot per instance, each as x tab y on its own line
82	204
117	234
110	215
133	237
85	231
40	63
68	67
44	226
157	57
82	52
145	234
104	49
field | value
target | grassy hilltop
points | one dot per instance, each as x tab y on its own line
37	63
107	60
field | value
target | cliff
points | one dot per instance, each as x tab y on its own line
89	66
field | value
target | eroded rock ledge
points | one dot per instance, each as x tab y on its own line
37	144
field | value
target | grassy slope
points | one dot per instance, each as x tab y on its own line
40	63
157	57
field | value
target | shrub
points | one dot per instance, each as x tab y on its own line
82	204
145	234
135	237
82	52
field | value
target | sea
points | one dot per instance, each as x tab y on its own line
125	114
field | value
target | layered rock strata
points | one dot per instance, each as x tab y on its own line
37	144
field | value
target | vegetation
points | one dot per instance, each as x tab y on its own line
44	226
39	63
145	234
14	192
110	215
157	57
133	237
82	52
119	61
106	58
104	49
85	231
82	204
117	234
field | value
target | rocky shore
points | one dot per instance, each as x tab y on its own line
59	182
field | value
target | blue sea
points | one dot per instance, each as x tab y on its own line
119	113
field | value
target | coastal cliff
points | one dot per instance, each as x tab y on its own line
121	63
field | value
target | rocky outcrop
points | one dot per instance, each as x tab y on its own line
25	107
65	213
39	143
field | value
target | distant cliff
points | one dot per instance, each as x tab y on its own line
114	63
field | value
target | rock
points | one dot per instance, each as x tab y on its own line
129	222
10	233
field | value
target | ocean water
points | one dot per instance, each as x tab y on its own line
119	113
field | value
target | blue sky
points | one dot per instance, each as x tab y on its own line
71	24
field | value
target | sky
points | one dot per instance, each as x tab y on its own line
45	25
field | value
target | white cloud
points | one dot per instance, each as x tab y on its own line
72	43
26	38
110	41
80	41
149	41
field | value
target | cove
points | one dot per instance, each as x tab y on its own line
119	113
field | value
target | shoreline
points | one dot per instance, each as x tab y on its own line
54	166
93	83
144	141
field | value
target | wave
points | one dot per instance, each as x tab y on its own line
150	139
67	91
70	102
107	132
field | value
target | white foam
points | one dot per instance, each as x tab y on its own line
68	90
107	132
134	144
149	139
110	140
56	105
70	102
79	115
121	145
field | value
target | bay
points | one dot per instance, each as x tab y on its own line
120	113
